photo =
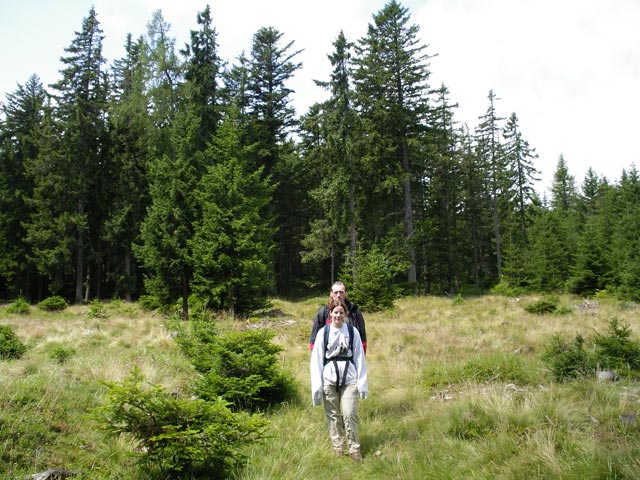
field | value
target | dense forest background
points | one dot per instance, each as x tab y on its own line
176	174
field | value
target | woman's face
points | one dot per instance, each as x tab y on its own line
337	316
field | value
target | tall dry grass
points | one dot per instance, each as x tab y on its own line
457	390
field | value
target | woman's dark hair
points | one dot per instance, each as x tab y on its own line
338	303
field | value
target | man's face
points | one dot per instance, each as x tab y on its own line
338	292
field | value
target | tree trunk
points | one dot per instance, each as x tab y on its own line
185	296
87	286
408	215
496	227
127	271
352	225
79	258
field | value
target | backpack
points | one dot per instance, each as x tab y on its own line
335	359
326	341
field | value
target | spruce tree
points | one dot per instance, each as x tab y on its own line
202	72
271	116
332	150
50	228
564	194
233	241
20	142
591	270
522	174
475	214
80	107
270	120
438	220
547	263
518	200
391	79
131	131
625	242
564	202
490	149
168	228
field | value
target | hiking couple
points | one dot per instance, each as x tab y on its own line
338	369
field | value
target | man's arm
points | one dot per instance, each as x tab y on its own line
318	323
362	328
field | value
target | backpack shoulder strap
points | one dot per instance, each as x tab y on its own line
350	328
326	338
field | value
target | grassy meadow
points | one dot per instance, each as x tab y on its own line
458	390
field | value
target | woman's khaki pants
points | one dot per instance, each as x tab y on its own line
341	409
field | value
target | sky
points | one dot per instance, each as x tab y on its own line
569	69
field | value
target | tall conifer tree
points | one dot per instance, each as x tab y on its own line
164	79
441	196
233	240
591	270
131	133
521	174
202	72
337	190
168	228
518	199
625	238
391	75
81	102
271	119
488	140
20	142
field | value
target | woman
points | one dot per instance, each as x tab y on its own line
339	377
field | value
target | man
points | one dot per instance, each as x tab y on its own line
338	293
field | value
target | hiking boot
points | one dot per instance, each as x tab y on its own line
337	452
356	456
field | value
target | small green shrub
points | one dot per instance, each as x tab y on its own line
53	304
240	367
149	302
458	300
180	437
568	361
544	305
617	351
563	310
505	289
194	338
60	353
603	294
11	347
20	306
97	309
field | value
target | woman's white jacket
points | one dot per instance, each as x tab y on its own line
337	345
